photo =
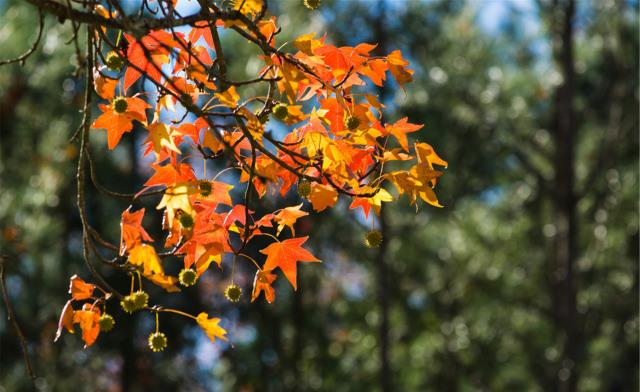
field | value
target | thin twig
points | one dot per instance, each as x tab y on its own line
12	318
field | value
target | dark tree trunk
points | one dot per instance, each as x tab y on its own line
383	270
565	200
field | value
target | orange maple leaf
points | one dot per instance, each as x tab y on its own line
79	289
132	232
322	196
400	129
262	282
286	254
117	124
88	318
288	217
66	320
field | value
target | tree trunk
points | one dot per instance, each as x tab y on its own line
565	202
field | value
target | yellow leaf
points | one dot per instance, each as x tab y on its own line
161	136
288	217
229	98
176	198
426	154
146	256
165	281
322	196
211	327
307	44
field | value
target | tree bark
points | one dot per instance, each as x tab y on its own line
565	201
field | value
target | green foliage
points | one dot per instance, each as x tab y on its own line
472	285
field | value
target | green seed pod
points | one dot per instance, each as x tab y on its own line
120	105
352	122
157	342
280	111
106	322
205	188
312	4
304	188
233	293
187	277
373	239
114	61
128	304
186	221
140	299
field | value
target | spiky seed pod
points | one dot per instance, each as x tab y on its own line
120	105
205	188
187	277
304	188
352	122
106	322
373	239
113	61
312	4
186	221
157	342
233	292
281	111
128	304
141	299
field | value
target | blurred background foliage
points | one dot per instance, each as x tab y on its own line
475	296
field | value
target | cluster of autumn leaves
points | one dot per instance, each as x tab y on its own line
337	143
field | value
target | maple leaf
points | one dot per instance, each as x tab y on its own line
161	140
168	175
66	320
145	255
288	217
367	202
219	193
79	289
262	282
201	29
136	56
400	129
132	232
88	318
285	254
176	198
229	98
165	281
105	87
117	124
322	196
397	66
211	327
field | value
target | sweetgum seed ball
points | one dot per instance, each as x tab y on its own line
373	239
141	299
352	122
106	322
120	105
186	221
280	111
312	4
304	188
157	342
205	188
113	61
233	293
128	304
187	277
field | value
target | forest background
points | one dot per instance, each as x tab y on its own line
534	104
